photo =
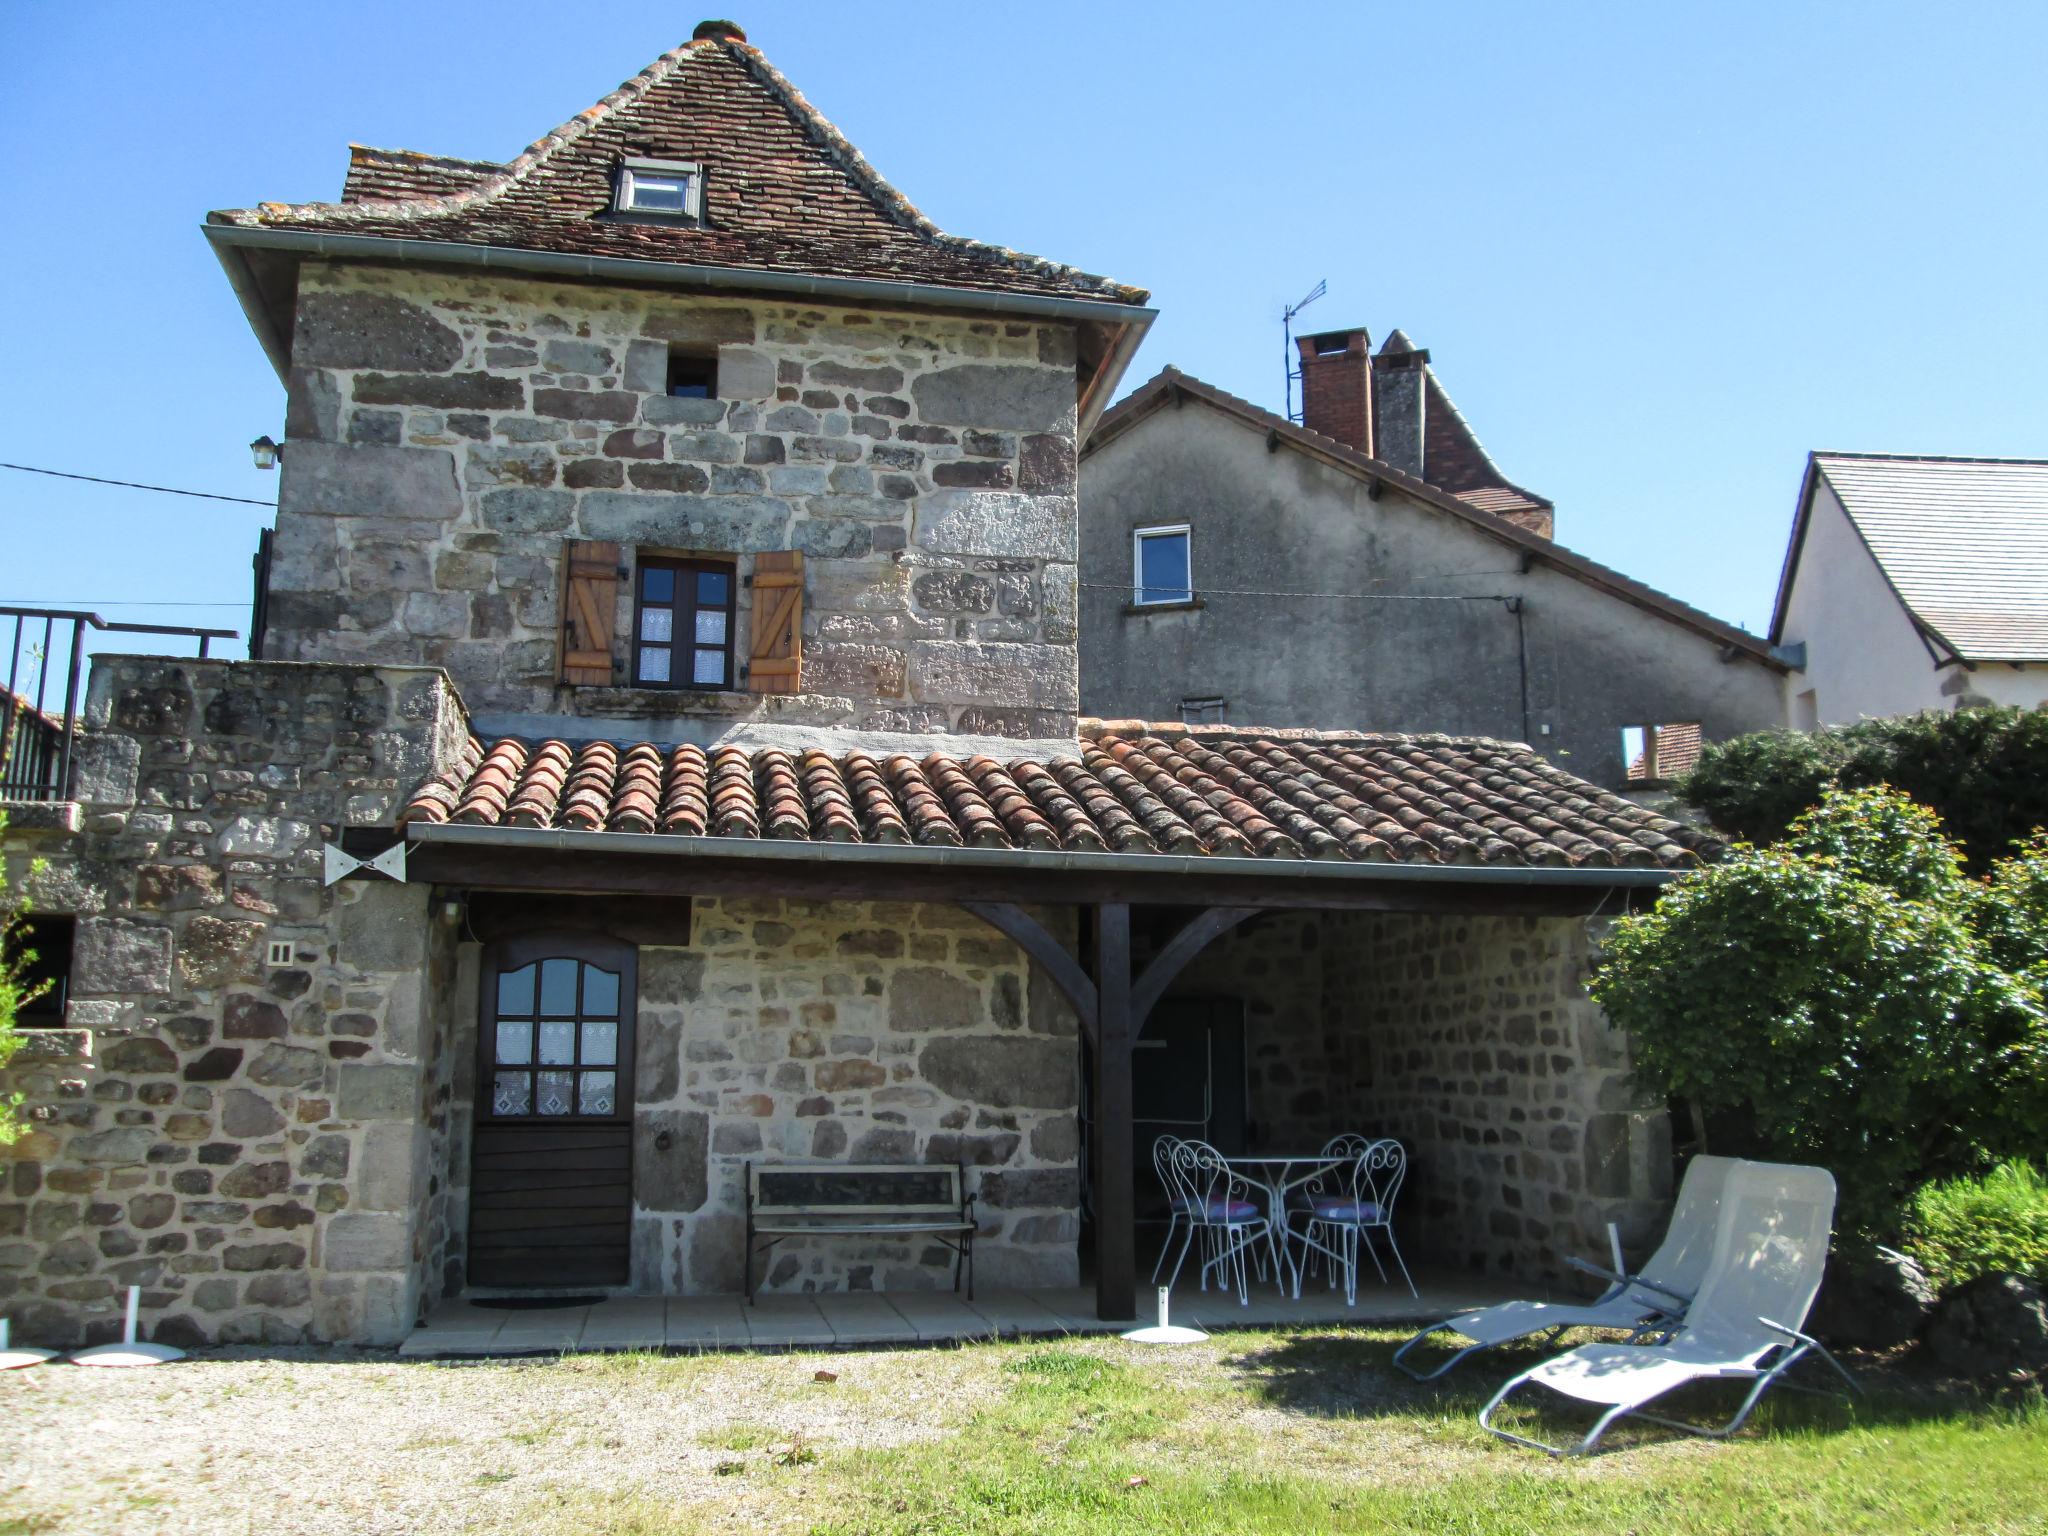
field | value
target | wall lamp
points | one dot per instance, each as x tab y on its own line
265	451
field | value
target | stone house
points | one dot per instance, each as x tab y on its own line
674	590
1914	582
1420	588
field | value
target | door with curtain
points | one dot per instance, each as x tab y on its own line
551	1180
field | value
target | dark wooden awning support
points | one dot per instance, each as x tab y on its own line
1029	935
1116	1192
1112	1007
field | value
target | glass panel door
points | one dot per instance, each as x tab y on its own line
554	1041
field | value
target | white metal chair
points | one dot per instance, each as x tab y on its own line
1222	1213
1162	1154
1770	1246
1353	1199
1641	1305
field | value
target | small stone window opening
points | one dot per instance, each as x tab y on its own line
1657	754
1161	570
662	189
1203	711
683	623
39	952
692	378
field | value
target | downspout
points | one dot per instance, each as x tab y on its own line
1515	606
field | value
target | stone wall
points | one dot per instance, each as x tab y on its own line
1472	1041
1295	1052
1513	1095
856	1032
448	432
252	1143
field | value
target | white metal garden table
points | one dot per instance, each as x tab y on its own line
1279	1174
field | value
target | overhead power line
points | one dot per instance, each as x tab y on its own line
110	602
136	485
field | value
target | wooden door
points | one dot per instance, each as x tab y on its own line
1187	1080
551	1183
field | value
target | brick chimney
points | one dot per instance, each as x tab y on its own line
1336	386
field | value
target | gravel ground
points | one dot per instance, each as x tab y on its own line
328	1443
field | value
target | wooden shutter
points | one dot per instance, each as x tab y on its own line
776	639
590	606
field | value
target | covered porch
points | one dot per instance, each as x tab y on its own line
1437	892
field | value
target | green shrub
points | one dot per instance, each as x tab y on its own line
1961	1228
1978	769
1848	998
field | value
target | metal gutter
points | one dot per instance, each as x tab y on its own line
225	237
911	855
254	310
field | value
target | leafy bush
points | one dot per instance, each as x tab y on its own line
14	992
1980	769
1851	997
1959	1229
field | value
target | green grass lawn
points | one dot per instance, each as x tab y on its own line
1286	1435
1261	1433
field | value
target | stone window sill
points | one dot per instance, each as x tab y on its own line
41	1042
1133	610
664	703
42	815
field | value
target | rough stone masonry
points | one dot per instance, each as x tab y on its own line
446	434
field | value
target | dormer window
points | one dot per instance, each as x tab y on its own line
663	189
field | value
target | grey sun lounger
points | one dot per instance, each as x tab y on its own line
1644	1304
1770	1247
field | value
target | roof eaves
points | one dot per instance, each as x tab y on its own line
1158	390
1167	865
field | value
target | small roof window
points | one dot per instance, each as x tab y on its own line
663	189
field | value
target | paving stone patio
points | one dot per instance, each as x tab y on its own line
462	1328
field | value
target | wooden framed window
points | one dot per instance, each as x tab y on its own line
683	623
558	1030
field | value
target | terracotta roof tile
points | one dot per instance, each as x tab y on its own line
784	190
1128	787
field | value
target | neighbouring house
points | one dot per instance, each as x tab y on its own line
1914	583
674	594
1372	566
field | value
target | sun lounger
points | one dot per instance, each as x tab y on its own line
1649	1302
1770	1246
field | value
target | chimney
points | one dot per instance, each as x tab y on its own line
1398	375
1336	386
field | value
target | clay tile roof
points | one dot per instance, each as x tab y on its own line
784	191
1128	787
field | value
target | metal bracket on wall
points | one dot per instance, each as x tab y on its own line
340	864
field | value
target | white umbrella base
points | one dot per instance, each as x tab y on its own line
127	1354
1166	1335
15	1359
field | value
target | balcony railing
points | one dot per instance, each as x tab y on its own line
46	657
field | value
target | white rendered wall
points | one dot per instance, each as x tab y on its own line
1863	655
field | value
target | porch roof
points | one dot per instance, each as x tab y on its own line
1130	794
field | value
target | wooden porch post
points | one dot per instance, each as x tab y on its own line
1116	1236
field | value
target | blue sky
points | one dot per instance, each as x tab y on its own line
1657	252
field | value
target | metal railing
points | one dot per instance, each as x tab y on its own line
36	745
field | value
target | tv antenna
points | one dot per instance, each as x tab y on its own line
1287	340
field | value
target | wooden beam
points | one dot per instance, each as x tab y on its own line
1065	972
1173	959
1116	1227
628	873
661	920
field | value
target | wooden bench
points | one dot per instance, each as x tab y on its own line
792	1200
